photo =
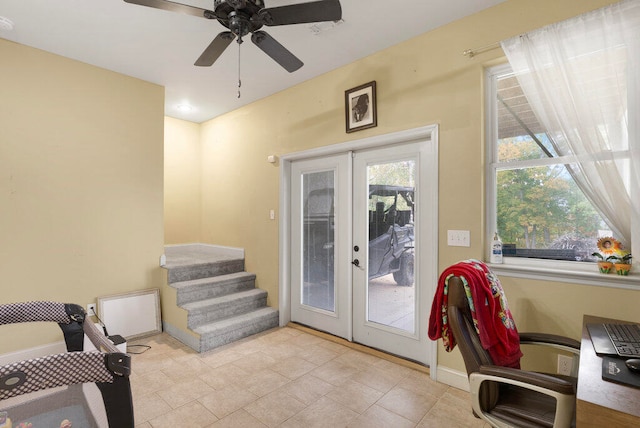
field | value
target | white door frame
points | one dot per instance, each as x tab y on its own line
412	135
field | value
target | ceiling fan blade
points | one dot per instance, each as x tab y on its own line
215	49
276	51
171	6
315	11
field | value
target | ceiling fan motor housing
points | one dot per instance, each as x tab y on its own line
236	15
237	4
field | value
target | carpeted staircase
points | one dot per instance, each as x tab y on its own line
220	298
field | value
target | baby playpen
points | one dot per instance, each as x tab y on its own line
74	389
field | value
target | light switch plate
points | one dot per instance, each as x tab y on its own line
458	238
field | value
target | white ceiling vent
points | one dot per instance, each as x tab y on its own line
321	27
5	24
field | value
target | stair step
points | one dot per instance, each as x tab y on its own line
218	333
218	308
208	288
219	298
188	272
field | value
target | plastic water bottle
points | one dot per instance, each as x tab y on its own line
496	249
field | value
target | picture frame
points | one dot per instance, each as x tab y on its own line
360	107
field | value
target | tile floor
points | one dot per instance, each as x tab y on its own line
286	377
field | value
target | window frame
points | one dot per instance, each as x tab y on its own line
539	269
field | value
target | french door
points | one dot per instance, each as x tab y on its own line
387	292
363	245
320	222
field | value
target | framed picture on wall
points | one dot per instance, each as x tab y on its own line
360	107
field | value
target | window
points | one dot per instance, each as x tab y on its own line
533	199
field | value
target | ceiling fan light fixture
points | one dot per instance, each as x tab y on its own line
6	24
239	24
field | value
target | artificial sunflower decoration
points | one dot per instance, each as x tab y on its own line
608	246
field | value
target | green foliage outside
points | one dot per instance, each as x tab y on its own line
542	207
394	174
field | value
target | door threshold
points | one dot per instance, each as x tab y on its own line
362	348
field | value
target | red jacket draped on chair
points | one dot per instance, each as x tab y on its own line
489	309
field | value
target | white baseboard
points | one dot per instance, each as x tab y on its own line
38	351
454	378
50	349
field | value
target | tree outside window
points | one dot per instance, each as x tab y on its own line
540	211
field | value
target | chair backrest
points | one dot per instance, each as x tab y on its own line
474	355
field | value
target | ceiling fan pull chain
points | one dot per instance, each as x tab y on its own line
239	80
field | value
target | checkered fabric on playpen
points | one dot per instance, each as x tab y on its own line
72	389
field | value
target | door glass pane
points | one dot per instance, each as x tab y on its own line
318	237
390	288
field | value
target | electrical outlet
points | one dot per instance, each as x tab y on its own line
91	309
565	364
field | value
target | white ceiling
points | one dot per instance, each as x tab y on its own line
160	46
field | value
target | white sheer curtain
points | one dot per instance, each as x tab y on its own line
582	80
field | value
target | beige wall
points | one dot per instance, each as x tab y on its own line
420	82
81	192
182	178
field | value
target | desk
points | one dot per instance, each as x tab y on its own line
601	403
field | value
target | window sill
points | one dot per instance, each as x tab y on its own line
562	271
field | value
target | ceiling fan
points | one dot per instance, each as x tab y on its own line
242	17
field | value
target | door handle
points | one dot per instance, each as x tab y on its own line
356	262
